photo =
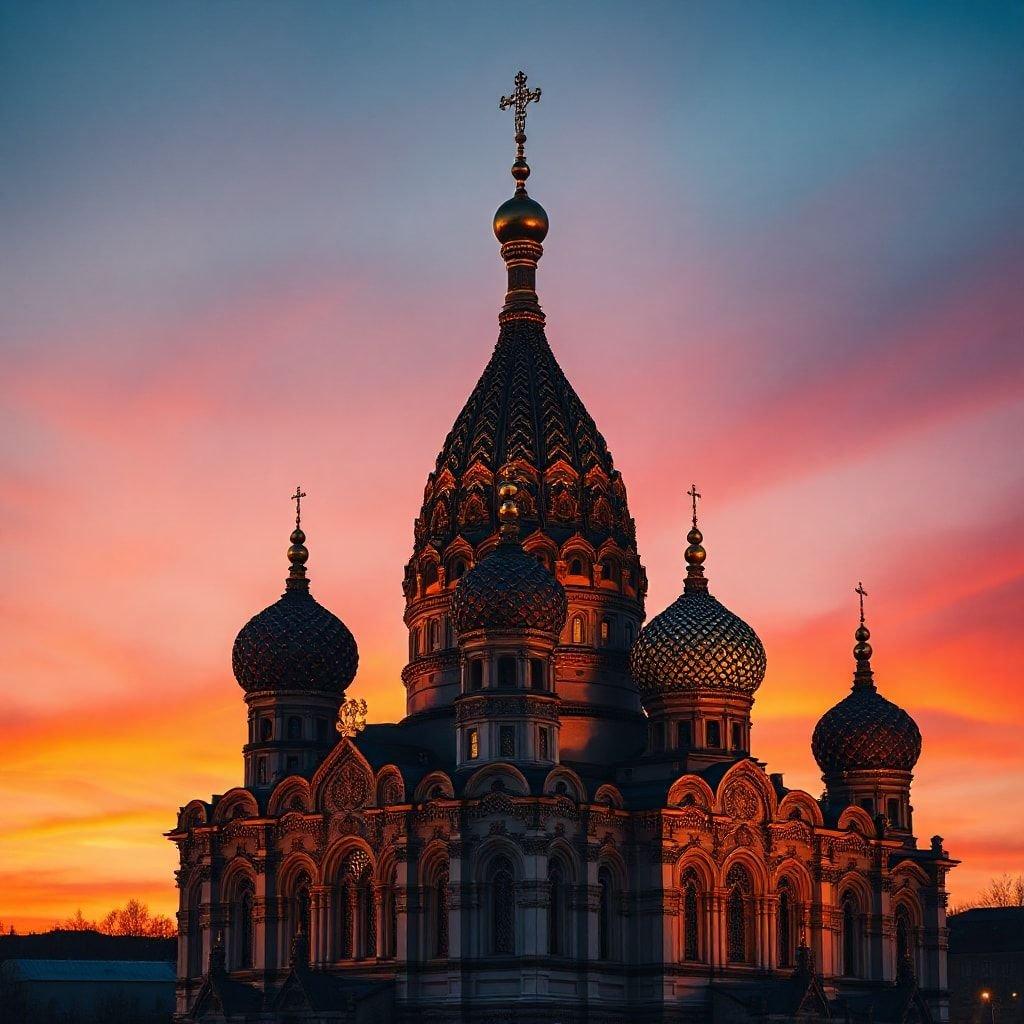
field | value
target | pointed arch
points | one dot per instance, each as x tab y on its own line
290	794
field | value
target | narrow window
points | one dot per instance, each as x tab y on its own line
606	631
740	890
507	740
604	914
472	744
537	674
658	736
555	896
786	924
243	925
261	771
503	935
691	924
893	812
476	674
458	569
544	755
294	727
737	736
440	911
506	671
904	955
266	728
850	942
577	629
292	764
576	567
714	734
194	934
684	734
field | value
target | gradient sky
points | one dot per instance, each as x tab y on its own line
249	244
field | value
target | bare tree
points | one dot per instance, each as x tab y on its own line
1004	891
76	923
134	918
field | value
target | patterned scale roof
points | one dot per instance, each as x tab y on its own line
523	410
864	731
509	589
295	644
697	644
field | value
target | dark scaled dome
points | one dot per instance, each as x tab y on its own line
865	731
509	589
697	643
296	643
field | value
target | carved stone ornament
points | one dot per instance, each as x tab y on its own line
350	788
740	802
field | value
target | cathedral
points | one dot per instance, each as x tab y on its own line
569	824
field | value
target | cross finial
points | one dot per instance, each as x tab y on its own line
861	593
694	496
519	99
297	498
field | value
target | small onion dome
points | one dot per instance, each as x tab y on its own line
296	643
509	589
864	730
520	218
697	643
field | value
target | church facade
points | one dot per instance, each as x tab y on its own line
568	825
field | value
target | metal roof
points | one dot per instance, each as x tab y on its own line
93	970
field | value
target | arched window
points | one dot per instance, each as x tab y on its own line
576	567
604	914
503	911
194	933
606	631
389	917
476	674
904	938
435	635
356	916
414	642
578	634
506	671
851	936
266	728
691	921
429	577
737	910
556	911
458	569
299	911
294	727
441	923
787	924
242	925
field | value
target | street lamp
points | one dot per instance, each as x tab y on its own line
986	998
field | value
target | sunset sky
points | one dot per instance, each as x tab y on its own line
249	245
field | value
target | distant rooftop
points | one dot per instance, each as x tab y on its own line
85	945
119	971
987	930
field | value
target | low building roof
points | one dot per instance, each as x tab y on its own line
92	970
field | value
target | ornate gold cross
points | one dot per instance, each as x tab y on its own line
520	97
297	498
861	593
694	495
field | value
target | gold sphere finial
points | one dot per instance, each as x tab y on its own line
862	650
297	552
508	511
695	553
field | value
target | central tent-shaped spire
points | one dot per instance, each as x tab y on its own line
573	512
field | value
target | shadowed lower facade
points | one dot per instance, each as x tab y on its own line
568	825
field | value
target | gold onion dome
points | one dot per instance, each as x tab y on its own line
509	589
697	643
864	731
295	643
